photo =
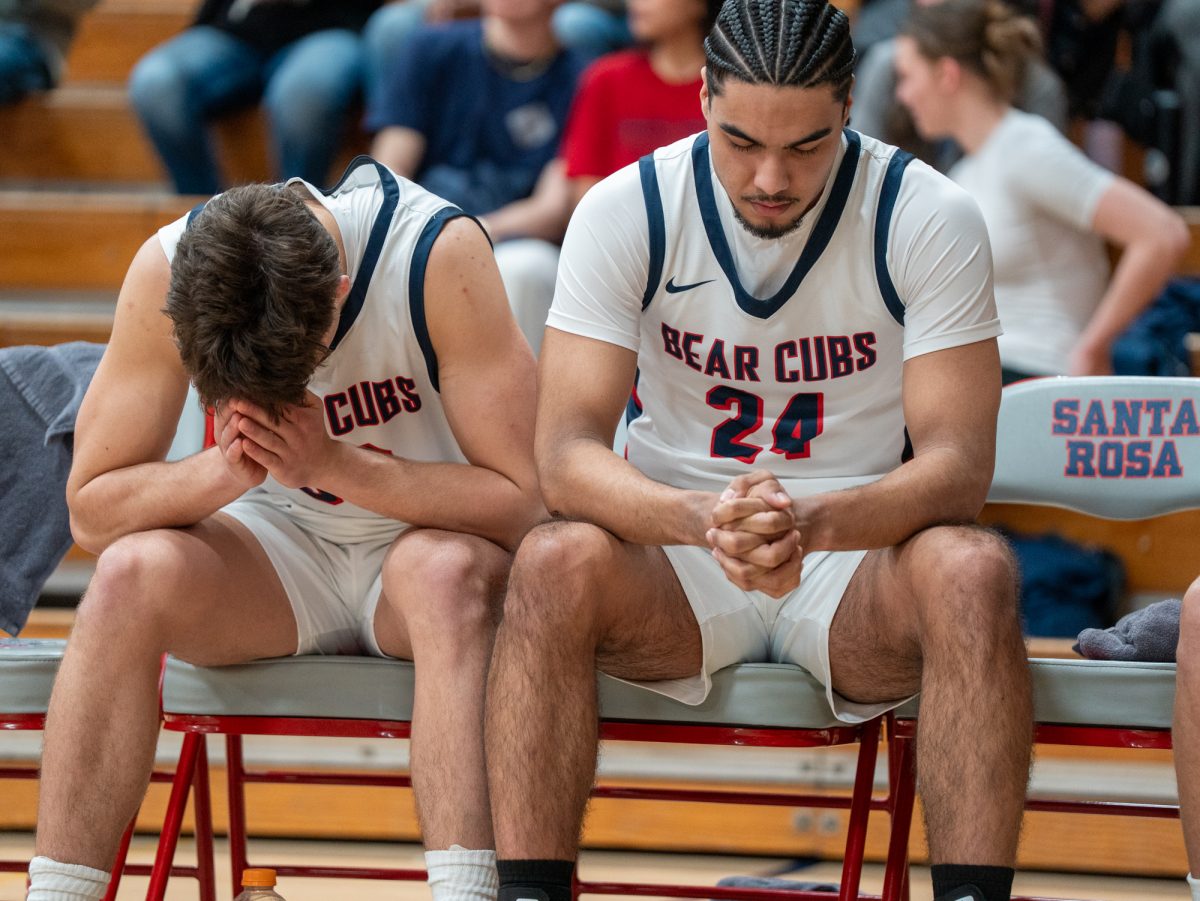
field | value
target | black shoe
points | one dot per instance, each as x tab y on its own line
963	893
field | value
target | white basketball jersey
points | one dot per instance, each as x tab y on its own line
379	384
805	382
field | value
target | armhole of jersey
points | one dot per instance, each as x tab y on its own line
416	285
633	407
374	247
657	224
883	227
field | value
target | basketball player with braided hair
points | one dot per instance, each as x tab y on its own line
808	315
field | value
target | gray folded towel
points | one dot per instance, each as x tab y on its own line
41	389
774	882
1149	635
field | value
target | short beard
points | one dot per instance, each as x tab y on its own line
768	232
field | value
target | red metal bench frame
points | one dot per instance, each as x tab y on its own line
897	802
192	770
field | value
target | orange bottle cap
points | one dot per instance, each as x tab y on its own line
258	878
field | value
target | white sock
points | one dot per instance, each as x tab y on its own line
462	875
50	880
1195	884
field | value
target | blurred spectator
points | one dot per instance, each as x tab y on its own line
34	36
304	59
593	27
1179	21
1157	99
630	103
1048	208
590	27
876	112
1080	35
474	112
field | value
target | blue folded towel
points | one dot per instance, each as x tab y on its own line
41	389
1149	635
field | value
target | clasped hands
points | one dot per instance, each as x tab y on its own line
294	448
755	536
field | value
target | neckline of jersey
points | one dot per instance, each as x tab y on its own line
764	308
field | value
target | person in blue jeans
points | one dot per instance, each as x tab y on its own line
303	60
34	36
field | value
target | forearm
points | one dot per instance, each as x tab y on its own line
150	496
457	497
584	480
1141	273
940	486
529	218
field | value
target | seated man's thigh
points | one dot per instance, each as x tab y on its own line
208	594
577	584
955	580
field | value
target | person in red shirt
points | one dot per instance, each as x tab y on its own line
631	102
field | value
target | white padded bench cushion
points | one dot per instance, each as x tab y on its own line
752	694
366	688
27	670
1098	693
1066	692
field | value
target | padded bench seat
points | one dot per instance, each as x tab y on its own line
753	694
27	670
1097	693
1066	692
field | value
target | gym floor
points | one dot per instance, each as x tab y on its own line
626	866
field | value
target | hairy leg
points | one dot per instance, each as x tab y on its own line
441	598
207	594
578	598
939	614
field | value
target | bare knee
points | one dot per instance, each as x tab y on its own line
445	584
135	587
555	576
963	580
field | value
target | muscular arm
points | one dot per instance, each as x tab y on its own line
584	386
1153	238
119	483
951	399
487	383
543	214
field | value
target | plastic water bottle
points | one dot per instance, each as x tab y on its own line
258	885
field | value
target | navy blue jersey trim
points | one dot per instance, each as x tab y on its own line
370	258
657	223
355	164
194	212
883	225
416	286
633	406
815	246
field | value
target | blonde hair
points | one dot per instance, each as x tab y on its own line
987	37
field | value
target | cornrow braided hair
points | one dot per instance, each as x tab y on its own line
792	43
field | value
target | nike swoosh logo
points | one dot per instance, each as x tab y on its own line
673	288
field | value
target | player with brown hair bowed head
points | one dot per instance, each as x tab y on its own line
372	475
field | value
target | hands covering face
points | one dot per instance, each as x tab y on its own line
755	536
295	449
